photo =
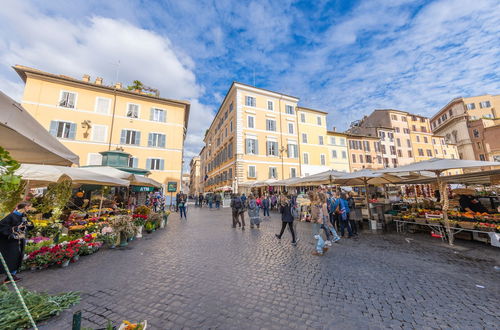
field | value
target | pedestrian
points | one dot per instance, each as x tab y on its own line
352	221
13	230
343	210
210	200
330	233
177	198
266	204
253	211
238	210
274	201
288	212
243	198
217	199
315	212
200	200
181	204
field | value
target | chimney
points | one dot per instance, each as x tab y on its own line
334	129
98	81
86	78
118	85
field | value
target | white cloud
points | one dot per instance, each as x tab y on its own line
94	46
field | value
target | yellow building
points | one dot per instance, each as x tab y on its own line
453	120
312	135
257	135
90	117
338	151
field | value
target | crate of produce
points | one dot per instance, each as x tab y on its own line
467	224
421	220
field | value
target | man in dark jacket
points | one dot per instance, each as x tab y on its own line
12	232
238	208
288	213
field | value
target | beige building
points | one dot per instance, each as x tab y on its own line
364	152
452	121
91	117
259	134
485	137
195	185
409	136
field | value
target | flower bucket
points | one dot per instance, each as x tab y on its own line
123	240
139	232
65	264
76	258
162	223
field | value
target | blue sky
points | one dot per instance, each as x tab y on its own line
344	57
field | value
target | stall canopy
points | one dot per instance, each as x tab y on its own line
40	175
320	178
134	179
491	177
438	166
27	140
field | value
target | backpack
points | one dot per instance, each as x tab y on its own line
238	204
252	204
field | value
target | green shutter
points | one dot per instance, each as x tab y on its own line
123	137
162	164
148	164
72	131
138	138
150	139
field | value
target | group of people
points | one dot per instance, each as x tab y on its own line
209	199
329	212
252	205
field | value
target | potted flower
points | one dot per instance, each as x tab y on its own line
139	221
156	219
123	225
149	227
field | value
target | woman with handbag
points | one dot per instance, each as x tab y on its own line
13	230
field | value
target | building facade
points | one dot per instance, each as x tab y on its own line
90	117
195	179
259	135
452	121
485	137
407	135
338	151
364	152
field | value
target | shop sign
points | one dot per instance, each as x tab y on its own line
142	189
172	187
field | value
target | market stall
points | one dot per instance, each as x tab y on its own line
438	166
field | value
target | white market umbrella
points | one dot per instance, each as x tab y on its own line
438	166
43	174
134	179
26	140
320	178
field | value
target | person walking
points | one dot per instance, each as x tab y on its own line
352	221
13	230
315	212
210	200
330	233
182	205
238	210
217	199
243	198
274	201
266	204
343	213
200	200
288	214
253	211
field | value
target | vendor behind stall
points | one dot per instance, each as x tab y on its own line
78	202
469	203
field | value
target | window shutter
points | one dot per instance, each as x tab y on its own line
148	164
247	144
123	136
53	127
270	173
268	148
137	138
164	116
289	150
163	139
151	113
162	164
72	131
150	139
71	100
256	146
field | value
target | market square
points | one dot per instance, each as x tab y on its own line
263	165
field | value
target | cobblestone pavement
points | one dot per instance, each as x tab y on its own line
201	273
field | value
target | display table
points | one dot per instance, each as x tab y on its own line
401	226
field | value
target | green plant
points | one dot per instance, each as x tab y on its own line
136	85
41	305
149	226
11	186
123	224
56	198
142	210
156	219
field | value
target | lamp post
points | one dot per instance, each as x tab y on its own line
282	150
